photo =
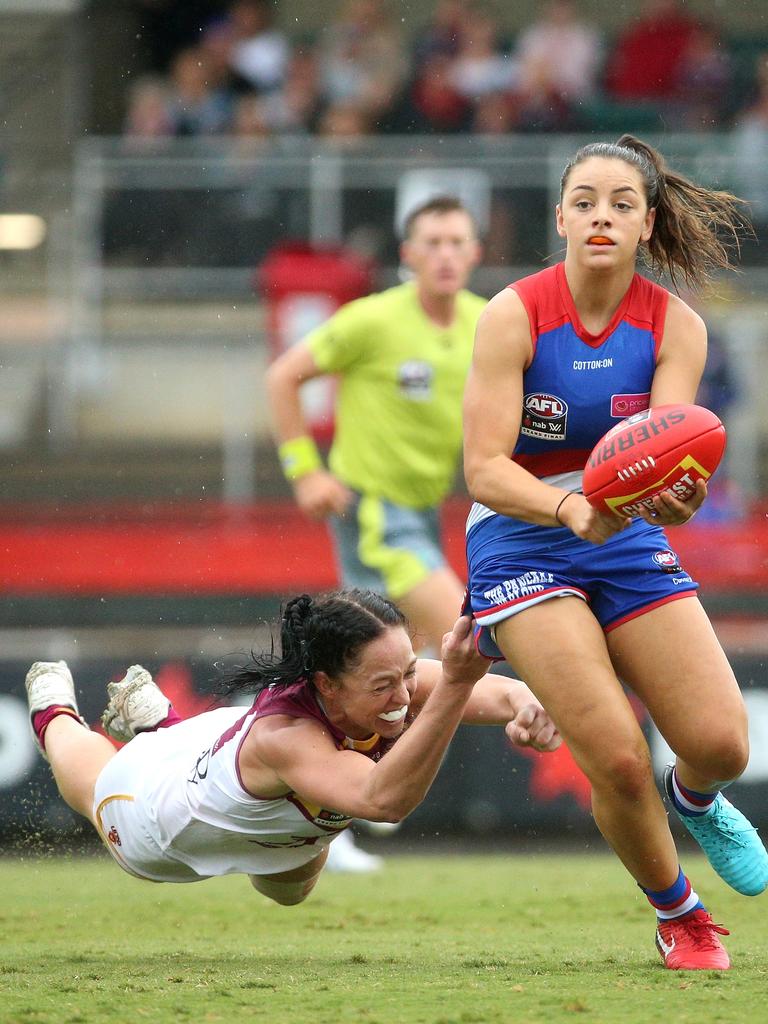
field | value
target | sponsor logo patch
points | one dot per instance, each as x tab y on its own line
414	380
592	364
627	405
667	560
677	580
114	836
544	416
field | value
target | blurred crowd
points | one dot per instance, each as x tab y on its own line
213	67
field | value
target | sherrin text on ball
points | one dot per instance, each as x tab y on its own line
668	447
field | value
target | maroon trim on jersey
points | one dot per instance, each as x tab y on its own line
229	734
297	701
243	786
304	810
550	463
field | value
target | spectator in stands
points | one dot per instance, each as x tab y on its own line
260	52
361	58
481	64
496	113
217	41
646	60
749	146
194	106
148	115
703	81
558	57
346	123
163	27
436	105
295	106
441	35
143	225
249	123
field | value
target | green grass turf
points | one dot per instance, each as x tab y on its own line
439	940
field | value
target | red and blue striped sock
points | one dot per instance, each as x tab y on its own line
676	901
688	801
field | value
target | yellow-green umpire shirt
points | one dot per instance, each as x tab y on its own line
401	381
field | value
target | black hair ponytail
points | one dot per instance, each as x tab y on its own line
317	634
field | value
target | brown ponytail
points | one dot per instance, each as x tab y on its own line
696	229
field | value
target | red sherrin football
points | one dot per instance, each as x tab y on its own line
669	446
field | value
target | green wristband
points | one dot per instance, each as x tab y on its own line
298	457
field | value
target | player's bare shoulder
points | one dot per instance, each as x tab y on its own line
276	741
683	325
679	313
506	307
273	732
505	320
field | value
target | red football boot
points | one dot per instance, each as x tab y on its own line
691	943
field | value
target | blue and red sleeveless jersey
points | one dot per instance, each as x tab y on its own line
578	384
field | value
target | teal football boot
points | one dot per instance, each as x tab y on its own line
730	842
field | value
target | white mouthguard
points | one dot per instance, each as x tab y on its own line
394	716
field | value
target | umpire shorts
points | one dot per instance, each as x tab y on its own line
385	547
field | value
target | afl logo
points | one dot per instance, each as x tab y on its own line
544	416
667	560
545	405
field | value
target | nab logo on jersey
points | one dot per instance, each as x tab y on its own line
544	416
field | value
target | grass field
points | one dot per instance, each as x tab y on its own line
452	940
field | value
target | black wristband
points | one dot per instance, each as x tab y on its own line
560	505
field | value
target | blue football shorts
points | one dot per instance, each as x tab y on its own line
386	547
514	566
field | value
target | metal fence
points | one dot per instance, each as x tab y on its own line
173	225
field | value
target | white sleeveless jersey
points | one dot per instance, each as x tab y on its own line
171	805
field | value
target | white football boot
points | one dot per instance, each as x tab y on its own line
136	704
379	828
49	683
345	857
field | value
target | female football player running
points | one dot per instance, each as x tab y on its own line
346	723
560	357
